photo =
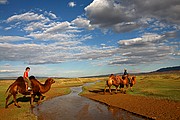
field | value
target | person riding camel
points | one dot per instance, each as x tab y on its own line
26	79
126	74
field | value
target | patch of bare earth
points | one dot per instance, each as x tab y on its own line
154	108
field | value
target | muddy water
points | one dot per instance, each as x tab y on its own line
75	107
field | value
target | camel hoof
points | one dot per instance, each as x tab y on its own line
6	106
32	106
124	92
19	106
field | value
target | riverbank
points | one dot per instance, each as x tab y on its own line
61	87
150	107
155	96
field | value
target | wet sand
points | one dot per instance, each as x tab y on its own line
150	107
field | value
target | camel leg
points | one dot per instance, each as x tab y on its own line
40	99
125	88
7	99
15	101
116	89
122	88
110	90
131	88
32	100
105	89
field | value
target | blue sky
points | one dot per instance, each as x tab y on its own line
88	37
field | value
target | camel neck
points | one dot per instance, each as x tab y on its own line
44	88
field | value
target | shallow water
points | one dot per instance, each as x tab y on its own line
75	107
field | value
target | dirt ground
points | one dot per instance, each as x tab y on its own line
154	108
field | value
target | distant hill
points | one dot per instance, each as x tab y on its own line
168	69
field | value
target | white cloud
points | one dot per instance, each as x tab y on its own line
33	26
83	23
28	16
8	71
116	14
52	41
71	4
12	38
149	48
3	1
52	15
59	28
145	39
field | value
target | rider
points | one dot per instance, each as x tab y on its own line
126	74
26	79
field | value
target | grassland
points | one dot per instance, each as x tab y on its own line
155	96
161	86
60	87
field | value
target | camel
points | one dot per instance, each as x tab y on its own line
19	87
133	81
125	82
113	80
118	81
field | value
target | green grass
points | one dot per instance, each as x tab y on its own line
24	113
162	86
60	87
166	86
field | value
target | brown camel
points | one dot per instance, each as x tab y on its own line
133	81
113	80
125	82
19	87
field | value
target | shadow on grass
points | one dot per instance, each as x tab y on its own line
25	99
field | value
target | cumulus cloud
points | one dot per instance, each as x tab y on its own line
52	41
149	48
51	53
3	1
117	14
71	4
83	23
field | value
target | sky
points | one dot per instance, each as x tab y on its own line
65	38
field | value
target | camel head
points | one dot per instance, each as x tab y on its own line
50	80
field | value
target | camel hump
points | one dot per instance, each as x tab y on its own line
20	79
32	77
112	75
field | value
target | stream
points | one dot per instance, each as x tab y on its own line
75	107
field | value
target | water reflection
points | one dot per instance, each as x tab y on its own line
75	107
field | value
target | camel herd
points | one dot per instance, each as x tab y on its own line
119	81
38	88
